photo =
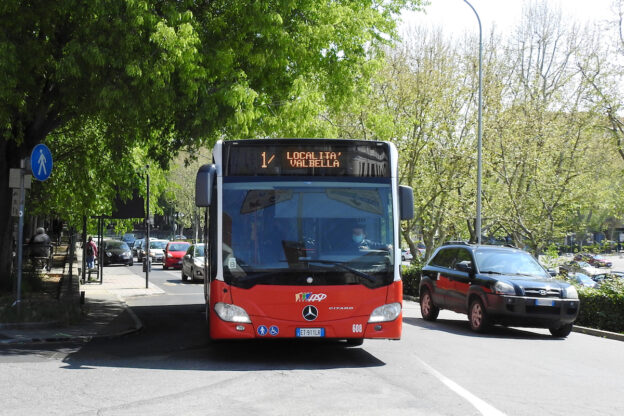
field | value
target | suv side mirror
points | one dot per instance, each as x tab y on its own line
466	267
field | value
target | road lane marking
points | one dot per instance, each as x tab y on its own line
483	407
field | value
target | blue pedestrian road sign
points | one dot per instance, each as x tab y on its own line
41	162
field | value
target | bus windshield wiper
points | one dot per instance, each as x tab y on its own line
345	267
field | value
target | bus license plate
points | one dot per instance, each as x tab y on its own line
310	332
544	302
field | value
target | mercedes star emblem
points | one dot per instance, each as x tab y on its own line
310	313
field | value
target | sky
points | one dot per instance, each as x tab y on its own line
456	17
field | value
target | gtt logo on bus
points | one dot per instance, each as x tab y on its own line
309	297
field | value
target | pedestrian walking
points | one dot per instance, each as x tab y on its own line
90	253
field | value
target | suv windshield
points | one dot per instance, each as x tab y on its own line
313	232
508	262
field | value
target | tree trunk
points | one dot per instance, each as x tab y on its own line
410	243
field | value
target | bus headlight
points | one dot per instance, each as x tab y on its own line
231	313
385	313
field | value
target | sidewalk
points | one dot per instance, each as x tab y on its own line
105	313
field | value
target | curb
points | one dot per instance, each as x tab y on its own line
60	337
72	338
598	333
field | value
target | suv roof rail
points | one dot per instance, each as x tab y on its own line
509	245
448	243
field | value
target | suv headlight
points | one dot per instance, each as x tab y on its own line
502	288
109	254
385	313
571	293
232	313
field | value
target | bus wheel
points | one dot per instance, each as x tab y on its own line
355	342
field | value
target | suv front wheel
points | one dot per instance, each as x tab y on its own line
479	320
428	310
562	331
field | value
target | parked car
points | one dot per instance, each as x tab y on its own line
174	251
582	279
494	284
406	255
600	278
116	252
578	267
193	262
593	259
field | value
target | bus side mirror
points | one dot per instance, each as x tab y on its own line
406	202
204	181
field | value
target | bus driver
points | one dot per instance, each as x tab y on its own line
360	242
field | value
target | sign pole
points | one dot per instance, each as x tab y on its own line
20	240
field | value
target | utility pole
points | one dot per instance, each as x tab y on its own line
148	260
479	156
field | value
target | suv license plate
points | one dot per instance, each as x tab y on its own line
310	332
544	302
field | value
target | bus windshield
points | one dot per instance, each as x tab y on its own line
307	232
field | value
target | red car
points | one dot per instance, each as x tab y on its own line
174	252
594	260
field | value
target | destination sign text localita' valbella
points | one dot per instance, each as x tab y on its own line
313	159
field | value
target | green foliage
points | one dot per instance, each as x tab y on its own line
181	184
550	258
113	85
411	278
603	308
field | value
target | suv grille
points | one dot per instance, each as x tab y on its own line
542	293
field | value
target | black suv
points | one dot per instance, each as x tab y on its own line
495	284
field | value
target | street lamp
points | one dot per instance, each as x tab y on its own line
479	168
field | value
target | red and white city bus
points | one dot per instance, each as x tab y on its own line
303	238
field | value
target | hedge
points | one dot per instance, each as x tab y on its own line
411	279
603	308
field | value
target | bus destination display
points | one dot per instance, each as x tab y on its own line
358	159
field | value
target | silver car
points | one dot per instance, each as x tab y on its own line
193	263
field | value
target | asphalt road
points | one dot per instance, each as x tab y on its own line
171	367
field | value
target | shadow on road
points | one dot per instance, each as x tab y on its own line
462	327
176	337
